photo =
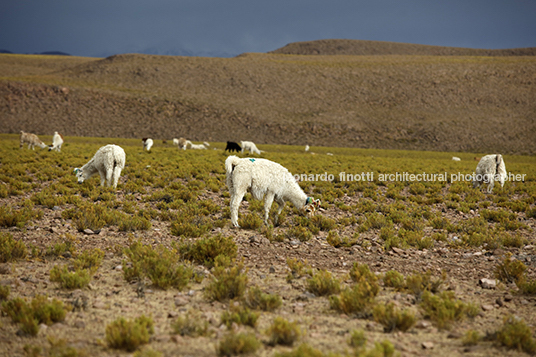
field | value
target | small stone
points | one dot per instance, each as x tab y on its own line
427	345
499	301
423	324
487	307
271	270
119	267
79	324
181	301
398	250
88	231
488	283
172	314
508	297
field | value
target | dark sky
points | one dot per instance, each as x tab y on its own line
100	28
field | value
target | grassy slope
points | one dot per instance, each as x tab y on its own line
447	103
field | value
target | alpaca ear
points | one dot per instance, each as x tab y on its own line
317	203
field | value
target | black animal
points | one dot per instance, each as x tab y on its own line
232	146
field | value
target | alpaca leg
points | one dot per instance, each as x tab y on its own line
268	200
109	176
236	198
102	178
490	186
116	175
281	204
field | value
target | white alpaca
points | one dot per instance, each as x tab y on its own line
249	145
264	178
489	169
175	141
306	147
57	141
31	139
182	143
108	161
147	144
199	146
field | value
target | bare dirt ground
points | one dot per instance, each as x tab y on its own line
109	296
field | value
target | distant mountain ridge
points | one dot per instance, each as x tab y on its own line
380	48
51	53
417	102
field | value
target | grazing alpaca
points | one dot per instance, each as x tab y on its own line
182	143
147	144
249	145
264	178
198	146
489	169
31	139
232	146
108	161
57	141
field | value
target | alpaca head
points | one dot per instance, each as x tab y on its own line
311	205
79	175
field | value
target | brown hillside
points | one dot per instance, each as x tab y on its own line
379	48
453	103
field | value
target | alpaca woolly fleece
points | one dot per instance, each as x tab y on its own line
489	169
57	142
31	139
108	162
264	179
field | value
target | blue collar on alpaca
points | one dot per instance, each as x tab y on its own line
308	200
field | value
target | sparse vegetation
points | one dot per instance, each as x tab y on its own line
283	332
129	334
238	344
171	189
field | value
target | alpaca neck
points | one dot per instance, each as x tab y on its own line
297	196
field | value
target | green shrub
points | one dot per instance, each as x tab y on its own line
392	319
190	324
39	311
256	299
239	315
444	308
357	339
419	283
300	233
237	344
337	241
77	279
250	221
227	282
323	283
283	332
205	250
190	226
515	334
510	270
394	279
17	218
298	269
90	259
380	349
161	265
303	350
357	300
471	338
11	249
129	334
4	292
361	273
